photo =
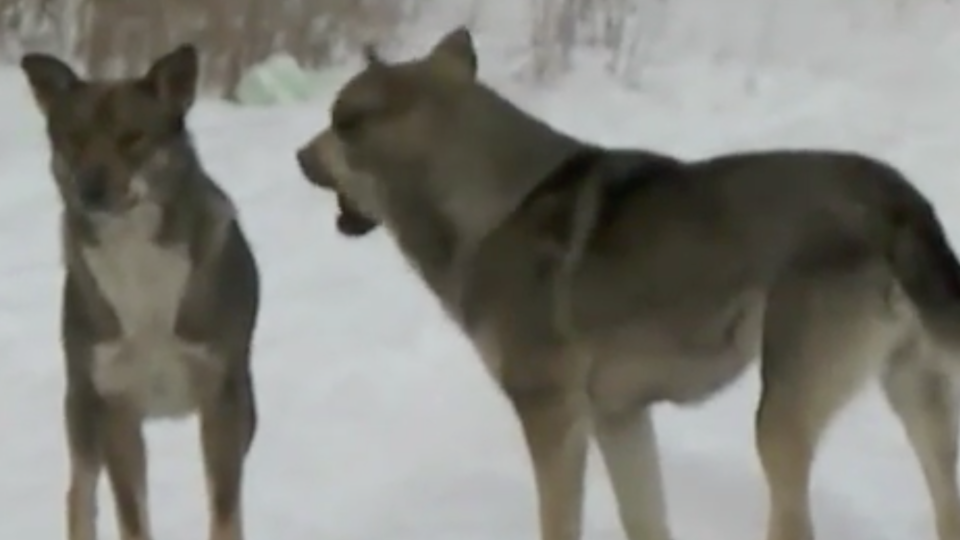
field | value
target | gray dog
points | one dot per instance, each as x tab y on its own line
595	283
161	290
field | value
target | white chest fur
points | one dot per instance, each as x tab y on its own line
144	283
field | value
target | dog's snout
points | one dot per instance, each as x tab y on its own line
312	169
93	188
303	159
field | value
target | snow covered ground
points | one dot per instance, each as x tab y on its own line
376	420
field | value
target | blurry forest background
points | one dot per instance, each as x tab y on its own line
115	37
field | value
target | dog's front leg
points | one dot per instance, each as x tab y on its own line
125	454
227	425
628	444
556	436
81	418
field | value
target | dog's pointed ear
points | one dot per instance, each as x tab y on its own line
173	78
456	54
50	78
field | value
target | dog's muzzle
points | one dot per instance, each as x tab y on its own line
313	170
95	193
350	221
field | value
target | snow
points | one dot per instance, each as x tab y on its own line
376	419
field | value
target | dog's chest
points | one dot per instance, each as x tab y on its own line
144	284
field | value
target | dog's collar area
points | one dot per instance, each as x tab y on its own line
568	175
617	170
550	207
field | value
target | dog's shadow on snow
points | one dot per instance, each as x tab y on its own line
714	500
709	499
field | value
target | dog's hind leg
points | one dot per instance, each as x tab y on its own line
822	338
556	433
628	444
924	399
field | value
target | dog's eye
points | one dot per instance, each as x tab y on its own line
346	122
131	139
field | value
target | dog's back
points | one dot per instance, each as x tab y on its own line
766	212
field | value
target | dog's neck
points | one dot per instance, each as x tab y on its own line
147	221
424	236
181	221
142	222
430	242
510	153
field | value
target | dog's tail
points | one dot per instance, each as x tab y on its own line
927	268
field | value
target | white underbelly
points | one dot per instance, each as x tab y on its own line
162	377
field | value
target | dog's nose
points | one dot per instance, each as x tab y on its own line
93	189
314	172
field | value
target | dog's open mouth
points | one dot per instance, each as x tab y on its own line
350	221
